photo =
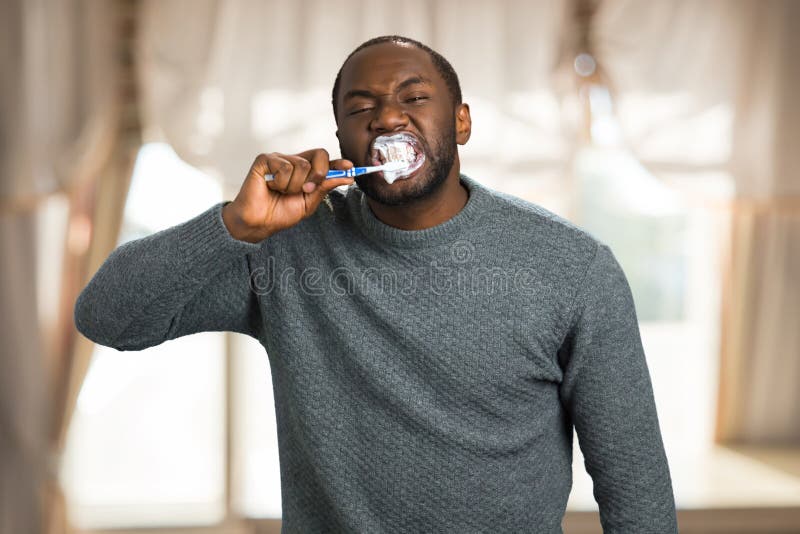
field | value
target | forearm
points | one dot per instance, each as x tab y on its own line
608	392
624	453
137	297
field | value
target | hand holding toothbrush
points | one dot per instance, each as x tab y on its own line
263	207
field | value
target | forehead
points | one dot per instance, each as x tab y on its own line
385	64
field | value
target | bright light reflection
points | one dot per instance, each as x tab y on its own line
165	191
635	189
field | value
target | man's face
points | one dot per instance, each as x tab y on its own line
390	88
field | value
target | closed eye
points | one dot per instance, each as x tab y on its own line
359	110
415	99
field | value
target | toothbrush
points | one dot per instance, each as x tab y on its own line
390	166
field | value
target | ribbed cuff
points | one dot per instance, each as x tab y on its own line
205	242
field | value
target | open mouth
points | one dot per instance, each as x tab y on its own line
400	147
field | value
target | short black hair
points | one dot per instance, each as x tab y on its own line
443	66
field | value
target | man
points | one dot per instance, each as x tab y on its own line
432	342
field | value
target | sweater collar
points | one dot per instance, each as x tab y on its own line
442	233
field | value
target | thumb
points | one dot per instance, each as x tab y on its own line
341	164
329	184
332	183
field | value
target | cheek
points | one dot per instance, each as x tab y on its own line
356	150
436	126
350	143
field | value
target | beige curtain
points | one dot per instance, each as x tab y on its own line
23	423
759	397
97	210
66	133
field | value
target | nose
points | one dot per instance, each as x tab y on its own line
389	117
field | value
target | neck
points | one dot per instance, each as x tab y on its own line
440	206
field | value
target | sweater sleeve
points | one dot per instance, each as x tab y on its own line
608	393
193	277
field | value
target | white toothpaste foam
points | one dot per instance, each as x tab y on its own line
399	147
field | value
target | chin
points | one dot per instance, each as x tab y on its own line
419	185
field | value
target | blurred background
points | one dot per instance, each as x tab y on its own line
669	129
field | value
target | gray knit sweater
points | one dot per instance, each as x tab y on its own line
424	381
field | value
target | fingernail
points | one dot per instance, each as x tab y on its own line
309	187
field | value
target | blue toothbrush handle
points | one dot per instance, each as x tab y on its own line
349	173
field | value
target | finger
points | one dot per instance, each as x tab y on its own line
320	165
281	170
254	181
332	183
341	164
299	175
260	166
314	199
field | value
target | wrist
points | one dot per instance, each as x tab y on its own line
237	228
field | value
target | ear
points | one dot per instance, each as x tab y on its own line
463	124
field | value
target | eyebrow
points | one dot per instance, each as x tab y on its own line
415	80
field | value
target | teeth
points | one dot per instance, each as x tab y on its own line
401	152
396	151
400	147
